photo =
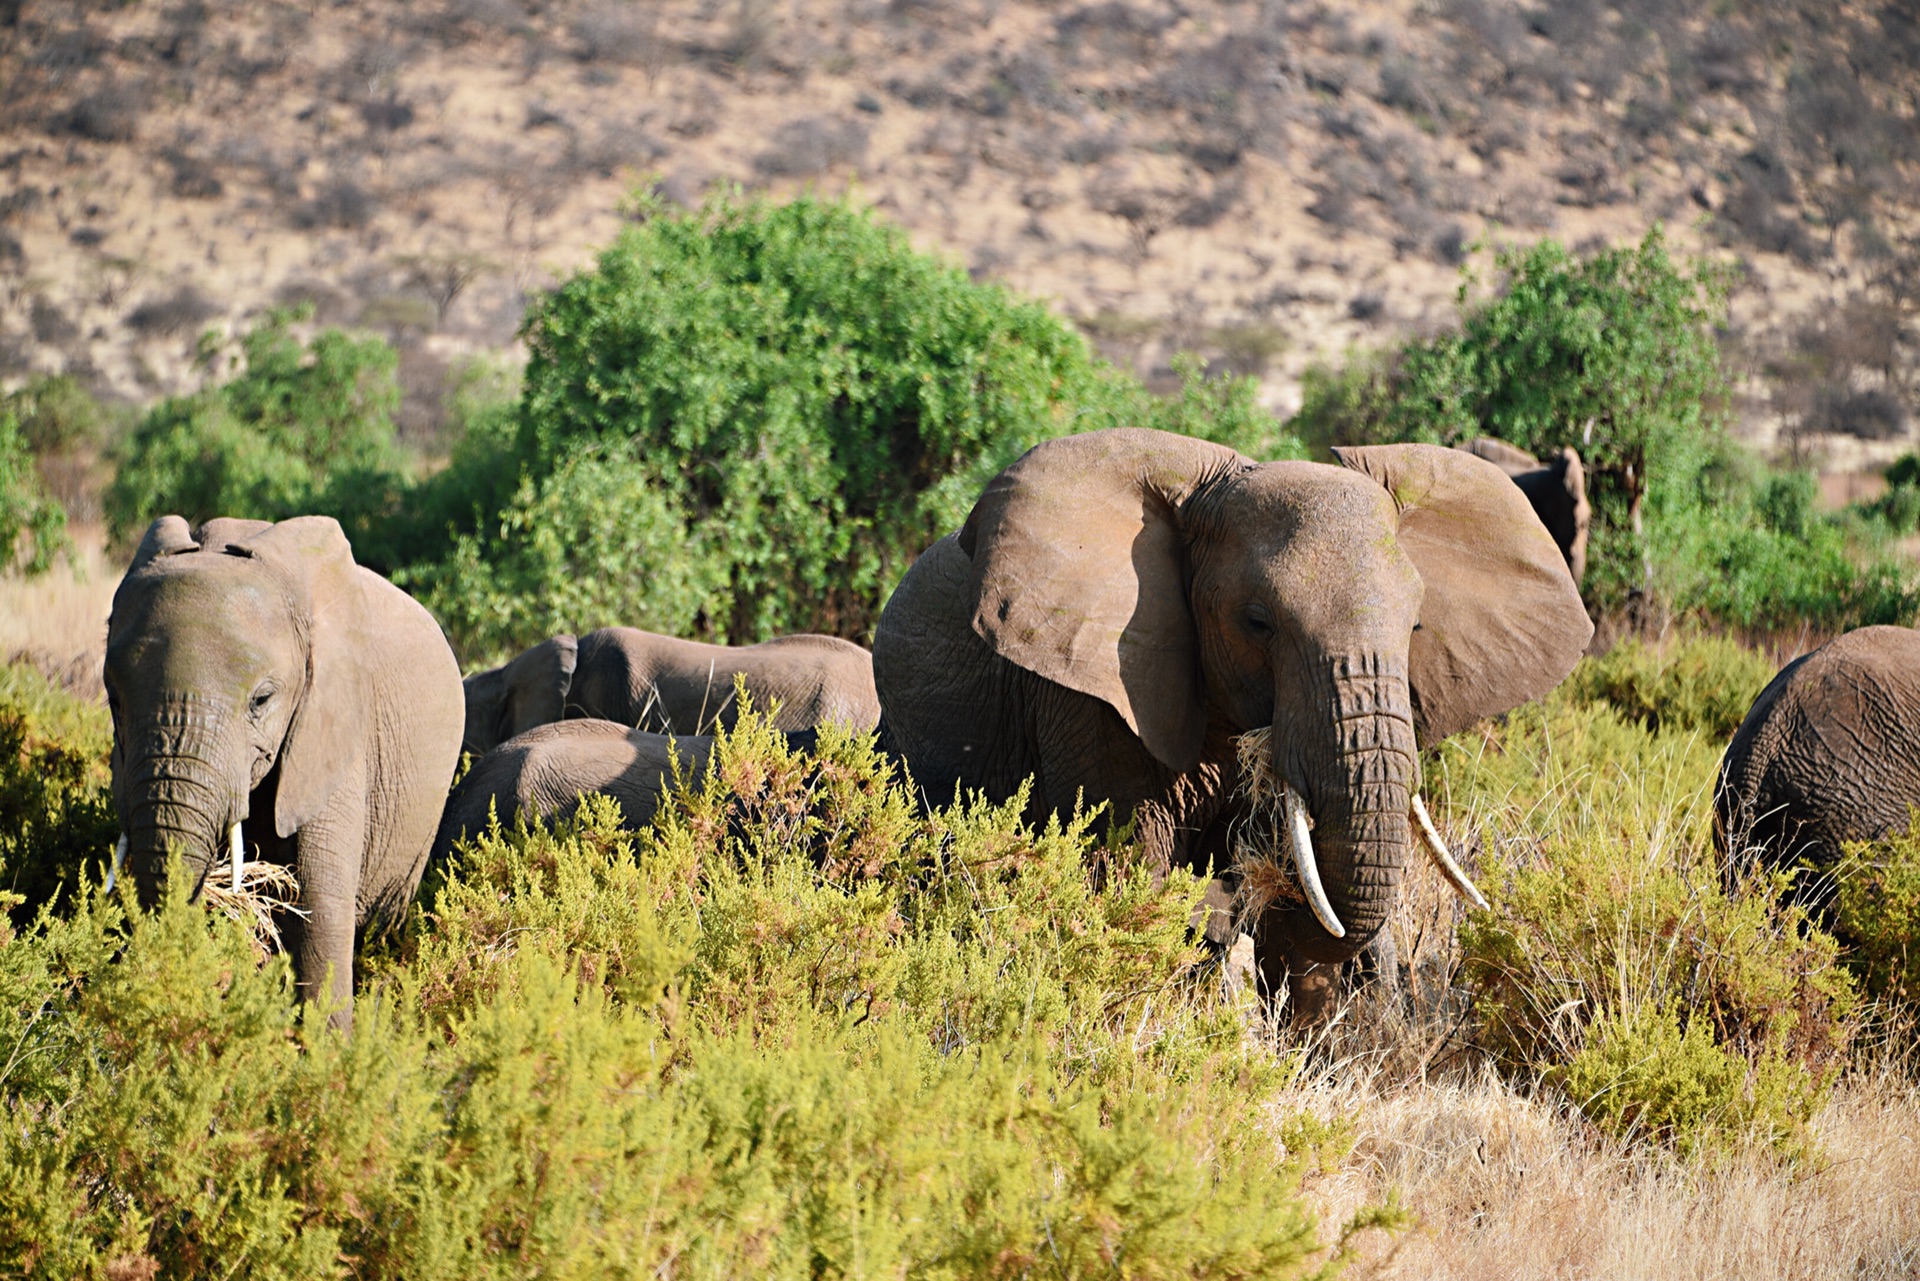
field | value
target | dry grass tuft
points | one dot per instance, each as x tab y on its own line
1260	858
265	889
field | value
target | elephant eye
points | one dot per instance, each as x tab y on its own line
258	702
1258	624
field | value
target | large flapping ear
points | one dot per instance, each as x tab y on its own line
1079	575
1501	622
329	730
167	536
538	682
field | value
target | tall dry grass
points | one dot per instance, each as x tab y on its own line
58	621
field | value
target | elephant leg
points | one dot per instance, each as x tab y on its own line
328	867
1310	989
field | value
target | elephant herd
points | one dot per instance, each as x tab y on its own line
1119	612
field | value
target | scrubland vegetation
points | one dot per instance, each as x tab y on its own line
797	1026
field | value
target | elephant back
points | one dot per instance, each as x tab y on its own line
1829	753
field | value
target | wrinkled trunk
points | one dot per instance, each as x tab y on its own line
177	790
1353	758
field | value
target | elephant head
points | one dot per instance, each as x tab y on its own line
1357	611
232	670
505	702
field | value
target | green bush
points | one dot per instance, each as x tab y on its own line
1614	354
56	814
784	401
1615	963
795	1028
1877	910
33	527
1700	683
299	428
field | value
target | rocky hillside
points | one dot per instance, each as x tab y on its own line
1268	182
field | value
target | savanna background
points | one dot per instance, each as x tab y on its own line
706	317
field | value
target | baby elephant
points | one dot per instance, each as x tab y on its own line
1830	752
668	686
543	773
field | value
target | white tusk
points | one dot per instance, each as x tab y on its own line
1455	875
1303	862
119	857
239	857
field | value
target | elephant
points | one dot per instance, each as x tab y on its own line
670	686
543	774
1829	752
1557	488
1122	608
270	695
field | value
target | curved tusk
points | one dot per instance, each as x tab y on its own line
1456	876
239	856
1303	862
119	857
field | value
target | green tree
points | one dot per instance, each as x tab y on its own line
300	427
748	419
33	527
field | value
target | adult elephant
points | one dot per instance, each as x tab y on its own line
1829	753
668	686
270	695
1121	607
1557	489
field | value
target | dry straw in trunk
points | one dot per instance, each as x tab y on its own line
265	889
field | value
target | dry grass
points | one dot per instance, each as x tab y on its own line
265	890
58	621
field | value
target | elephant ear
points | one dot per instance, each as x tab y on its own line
538	683
224	533
1079	575
324	743
167	536
1501	622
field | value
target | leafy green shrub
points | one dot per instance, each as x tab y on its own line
33	527
1701	683
1613	938
795	1028
299	428
1614	354
788	403
1877	907
56	814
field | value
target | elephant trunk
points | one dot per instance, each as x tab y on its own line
178	791
1357	774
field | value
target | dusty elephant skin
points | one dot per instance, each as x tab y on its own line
258	677
668	686
1557	489
542	775
1829	752
1121	606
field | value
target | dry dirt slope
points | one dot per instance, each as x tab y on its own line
1268	182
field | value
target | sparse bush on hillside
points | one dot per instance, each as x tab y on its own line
301	427
795	1028
787	403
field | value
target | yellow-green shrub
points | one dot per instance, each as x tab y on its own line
794	1028
56	814
1877	910
1703	683
1614	946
